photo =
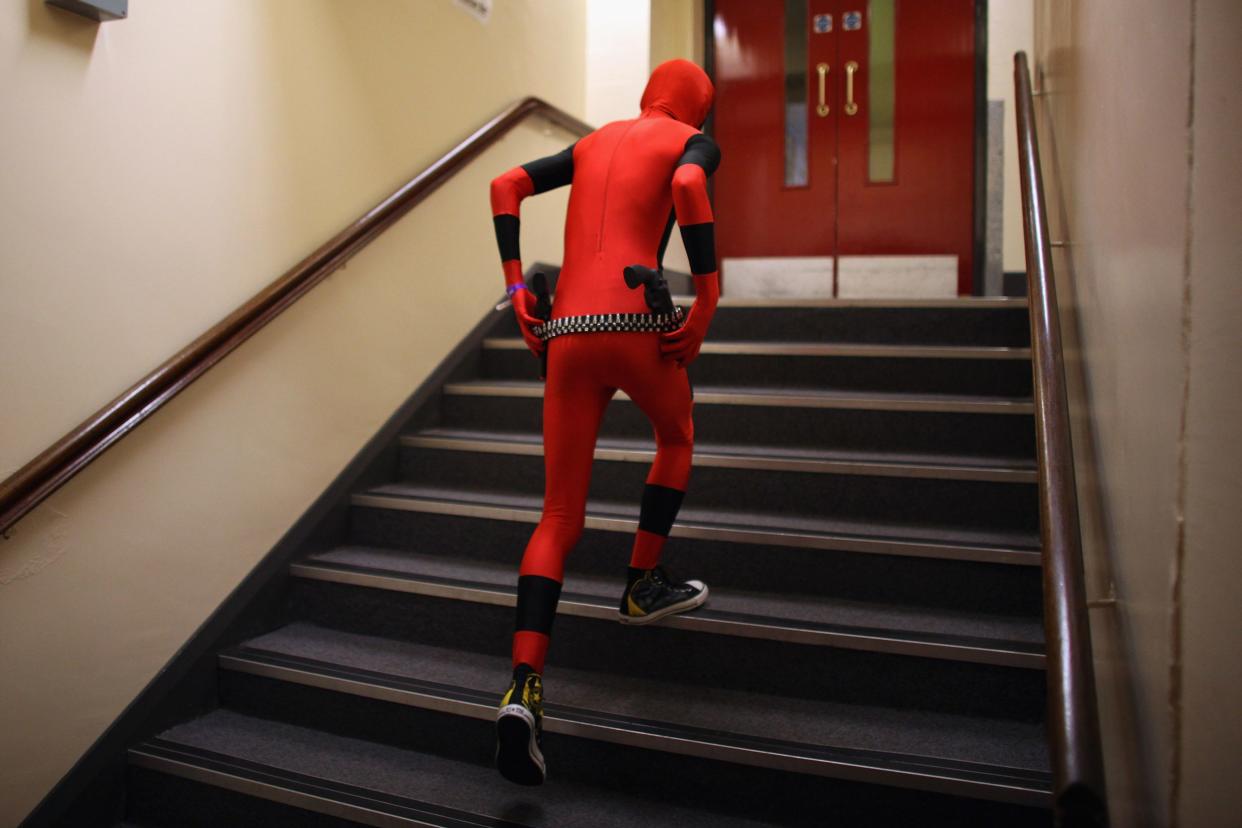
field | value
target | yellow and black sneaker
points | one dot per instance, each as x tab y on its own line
652	594
519	729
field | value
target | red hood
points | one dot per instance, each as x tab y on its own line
681	89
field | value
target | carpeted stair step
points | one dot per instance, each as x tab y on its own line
931	583
305	674
969	426
863	507
988	372
376	603
770	488
938	466
230	769
801	617
731	528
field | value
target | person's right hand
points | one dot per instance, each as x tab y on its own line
523	305
683	344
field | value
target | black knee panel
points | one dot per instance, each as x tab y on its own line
659	509
536	603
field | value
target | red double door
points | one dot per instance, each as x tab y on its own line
847	127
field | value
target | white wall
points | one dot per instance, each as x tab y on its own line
1011	28
154	174
618	48
625	40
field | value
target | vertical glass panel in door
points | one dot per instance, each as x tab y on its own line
795	93
881	89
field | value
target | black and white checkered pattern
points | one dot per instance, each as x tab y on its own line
597	322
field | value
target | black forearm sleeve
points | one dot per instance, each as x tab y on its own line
507	230
700	242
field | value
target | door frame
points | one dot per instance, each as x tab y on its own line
979	150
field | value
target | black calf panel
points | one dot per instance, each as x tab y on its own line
536	603
553	171
659	509
700	242
507	228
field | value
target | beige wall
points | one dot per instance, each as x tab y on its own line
676	31
1207	626
1139	156
157	172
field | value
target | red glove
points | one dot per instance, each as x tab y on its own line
523	305
684	343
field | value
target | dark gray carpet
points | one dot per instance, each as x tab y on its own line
485	495
909	732
784	608
774	452
826	394
427	778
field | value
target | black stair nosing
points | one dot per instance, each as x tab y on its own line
953	776
788	398
311	793
479	507
825	350
911	303
607	449
717	622
1006	462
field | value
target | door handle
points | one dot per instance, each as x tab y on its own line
851	108
822	109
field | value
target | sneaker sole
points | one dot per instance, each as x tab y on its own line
672	609
518	757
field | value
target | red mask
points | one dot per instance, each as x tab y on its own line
681	90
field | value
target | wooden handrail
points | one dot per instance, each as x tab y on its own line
46	473
1073	719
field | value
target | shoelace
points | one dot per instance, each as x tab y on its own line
661	576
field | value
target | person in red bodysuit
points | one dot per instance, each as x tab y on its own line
630	180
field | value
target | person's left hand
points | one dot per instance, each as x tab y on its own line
683	344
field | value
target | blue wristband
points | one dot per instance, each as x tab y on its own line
514	288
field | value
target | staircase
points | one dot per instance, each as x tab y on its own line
863	506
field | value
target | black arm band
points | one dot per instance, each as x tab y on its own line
553	171
702	151
700	242
507	227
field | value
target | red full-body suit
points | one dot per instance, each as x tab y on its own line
628	178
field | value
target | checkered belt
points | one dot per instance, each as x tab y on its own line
598	322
